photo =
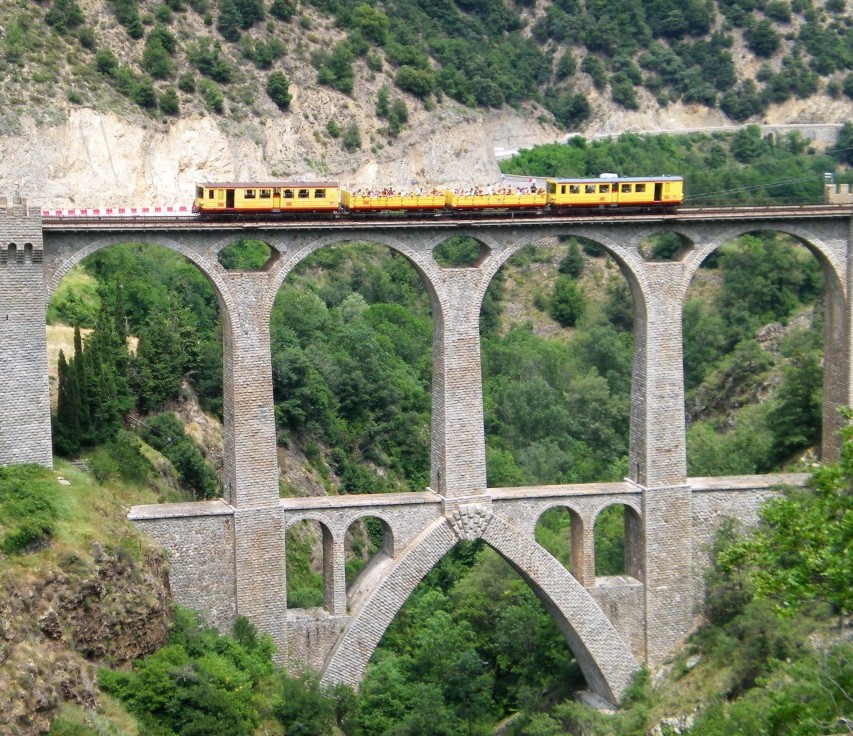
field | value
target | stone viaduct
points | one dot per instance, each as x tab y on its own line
227	556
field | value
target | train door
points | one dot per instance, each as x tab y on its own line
276	199
229	198
658	191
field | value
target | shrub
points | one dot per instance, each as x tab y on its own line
567	303
278	89
186	82
168	102
282	9
351	139
419	82
143	94
212	95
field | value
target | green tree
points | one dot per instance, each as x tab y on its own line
567	303
229	20
797	416
419	82
282	9
168	102
572	263
66	429
278	87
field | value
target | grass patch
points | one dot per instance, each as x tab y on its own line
29	508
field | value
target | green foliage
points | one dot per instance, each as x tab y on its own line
278	89
334	69
282	9
127	13
567	304
229	20
245	255
304	708
29	508
351	138
200	683
593	66
419	82
206	56
64	15
168	101
165	433
212	96
457	251
572	263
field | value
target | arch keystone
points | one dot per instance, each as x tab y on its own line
469	521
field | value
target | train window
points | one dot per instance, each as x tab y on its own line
626	188
288	194
250	194
319	193
552	188
303	194
573	189
210	194
603	188
589	189
276	192
265	193
199	192
640	188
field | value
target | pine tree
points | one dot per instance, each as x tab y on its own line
160	360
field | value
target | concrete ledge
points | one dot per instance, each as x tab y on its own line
580	489
746	482
153	511
354	501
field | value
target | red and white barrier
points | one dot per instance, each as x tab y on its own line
106	212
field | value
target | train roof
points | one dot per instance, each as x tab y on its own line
267	184
604	179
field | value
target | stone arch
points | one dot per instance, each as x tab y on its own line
633	535
836	334
428	270
577	532
602	653
826	256
627	258
213	273
329	562
387	522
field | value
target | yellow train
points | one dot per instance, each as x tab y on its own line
294	199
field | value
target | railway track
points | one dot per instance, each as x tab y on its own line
96	223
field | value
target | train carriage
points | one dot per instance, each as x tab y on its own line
610	190
267	197
394	201
510	199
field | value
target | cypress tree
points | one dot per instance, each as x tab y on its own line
78	363
67	426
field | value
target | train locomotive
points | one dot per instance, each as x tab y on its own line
557	196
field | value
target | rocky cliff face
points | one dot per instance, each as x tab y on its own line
58	623
97	158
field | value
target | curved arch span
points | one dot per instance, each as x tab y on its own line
64	265
603	655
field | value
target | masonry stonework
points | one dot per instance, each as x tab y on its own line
228	557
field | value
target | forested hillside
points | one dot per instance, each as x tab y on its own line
241	58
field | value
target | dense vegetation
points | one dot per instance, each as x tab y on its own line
237	57
718	169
